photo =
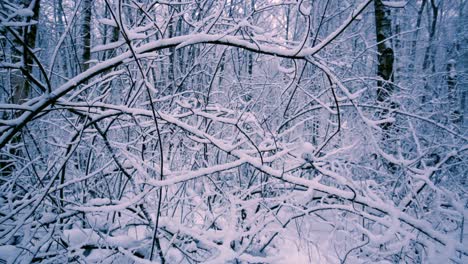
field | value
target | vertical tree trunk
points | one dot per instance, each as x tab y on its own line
20	84
250	54
385	55
86	34
172	51
63	62
452	92
416	34
113	38
430	51
21	88
383	27
429	55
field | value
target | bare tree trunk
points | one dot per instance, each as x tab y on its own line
63	62
383	27
430	51
415	40
20	83
452	92
86	34
171	72
250	54
21	88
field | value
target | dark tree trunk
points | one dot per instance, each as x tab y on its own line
430	51
383	27
452	92
21	88
86	34
20	83
416	34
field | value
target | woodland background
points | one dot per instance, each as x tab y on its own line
231	131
